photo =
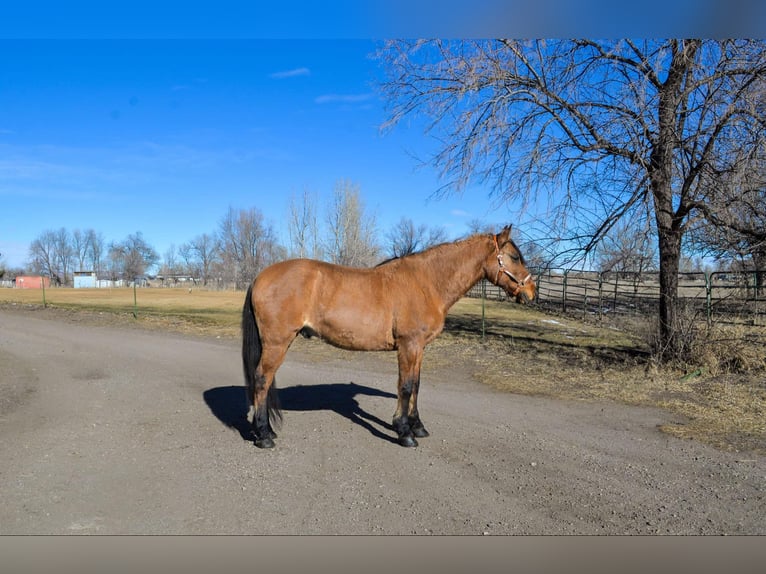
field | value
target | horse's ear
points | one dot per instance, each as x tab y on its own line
504	235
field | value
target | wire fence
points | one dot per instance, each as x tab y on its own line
717	297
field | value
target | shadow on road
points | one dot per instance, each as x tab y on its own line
229	405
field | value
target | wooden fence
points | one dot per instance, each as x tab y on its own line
716	297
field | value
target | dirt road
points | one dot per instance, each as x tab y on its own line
114	430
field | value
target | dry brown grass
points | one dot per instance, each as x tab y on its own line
718	398
199	311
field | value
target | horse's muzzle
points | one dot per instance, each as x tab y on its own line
526	292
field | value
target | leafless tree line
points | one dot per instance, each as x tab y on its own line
59	253
342	231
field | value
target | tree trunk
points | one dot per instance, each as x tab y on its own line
670	257
669	220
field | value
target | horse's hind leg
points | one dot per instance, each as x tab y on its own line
265	403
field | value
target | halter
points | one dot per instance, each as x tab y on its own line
503	269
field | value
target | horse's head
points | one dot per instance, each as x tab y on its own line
506	268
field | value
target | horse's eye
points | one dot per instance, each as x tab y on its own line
514	257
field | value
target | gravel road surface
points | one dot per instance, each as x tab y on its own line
115	430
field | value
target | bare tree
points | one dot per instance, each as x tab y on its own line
51	254
303	226
95	250
171	265
405	237
735	225
56	253
619	126
42	254
132	257
64	256
200	254
351	233
626	248
80	248
248	244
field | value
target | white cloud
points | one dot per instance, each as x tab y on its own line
460	213
343	98
291	73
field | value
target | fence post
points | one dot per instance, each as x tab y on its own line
538	283
564	292
483	297
755	298
600	293
585	296
709	299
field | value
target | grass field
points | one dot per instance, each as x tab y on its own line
515	349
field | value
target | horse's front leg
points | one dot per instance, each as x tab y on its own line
406	422
418	429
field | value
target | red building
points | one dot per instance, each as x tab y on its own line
32	282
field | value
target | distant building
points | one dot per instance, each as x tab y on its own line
84	279
32	282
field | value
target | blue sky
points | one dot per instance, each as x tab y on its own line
163	131
163	136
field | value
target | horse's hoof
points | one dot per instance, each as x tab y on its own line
420	432
407	441
264	442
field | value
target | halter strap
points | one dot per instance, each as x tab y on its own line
502	269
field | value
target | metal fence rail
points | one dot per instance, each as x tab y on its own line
717	297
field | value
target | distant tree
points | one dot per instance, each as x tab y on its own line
405	237
87	249
351	231
200	255
172	262
535	255
80	248
94	251
734	227
303	226
247	244
478	226
64	256
44	256
627	248
132	257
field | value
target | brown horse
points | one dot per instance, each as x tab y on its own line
399	305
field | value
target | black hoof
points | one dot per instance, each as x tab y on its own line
408	441
266	442
420	432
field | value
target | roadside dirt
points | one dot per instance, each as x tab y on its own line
108	429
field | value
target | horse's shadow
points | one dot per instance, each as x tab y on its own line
229	405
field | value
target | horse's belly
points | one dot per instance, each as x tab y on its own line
360	333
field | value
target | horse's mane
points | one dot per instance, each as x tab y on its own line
442	246
421	252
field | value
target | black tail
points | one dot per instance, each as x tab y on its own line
251	356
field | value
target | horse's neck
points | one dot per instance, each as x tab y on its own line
458	267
